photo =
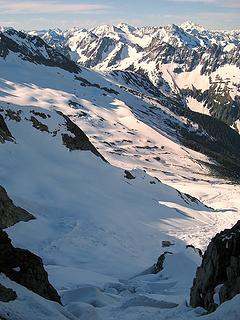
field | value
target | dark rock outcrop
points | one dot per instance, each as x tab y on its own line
157	267
25	268
7	294
39	125
167	243
128	175
20	265
5	134
220	268
9	213
78	139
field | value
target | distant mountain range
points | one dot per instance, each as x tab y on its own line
199	67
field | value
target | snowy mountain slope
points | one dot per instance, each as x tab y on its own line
33	49
84	96
96	226
81	205
84	194
198	64
101	103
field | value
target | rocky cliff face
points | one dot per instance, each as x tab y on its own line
9	213
5	134
20	265
25	268
218	278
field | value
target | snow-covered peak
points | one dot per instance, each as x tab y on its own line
103	30
170	34
189	25
75	30
125	27
188	34
55	32
3	28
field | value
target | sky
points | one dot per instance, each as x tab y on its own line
64	14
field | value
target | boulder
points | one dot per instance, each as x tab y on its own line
128	175
167	243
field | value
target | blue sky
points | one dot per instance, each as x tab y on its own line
39	14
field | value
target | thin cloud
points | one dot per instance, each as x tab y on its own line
16	7
235	4
197	1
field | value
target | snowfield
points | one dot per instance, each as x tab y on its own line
99	228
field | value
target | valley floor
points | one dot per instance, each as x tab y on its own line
219	195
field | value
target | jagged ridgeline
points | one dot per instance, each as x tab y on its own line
196	65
